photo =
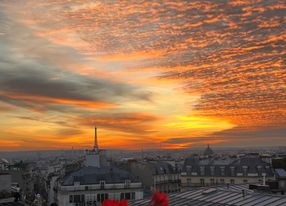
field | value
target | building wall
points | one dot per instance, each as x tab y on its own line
5	182
144	172
21	178
167	183
91	196
3	166
282	184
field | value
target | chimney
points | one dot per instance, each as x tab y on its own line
95	139
264	179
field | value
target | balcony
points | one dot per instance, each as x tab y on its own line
119	186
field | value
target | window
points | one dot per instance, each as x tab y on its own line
102	184
202	170
189	168
202	181
221	181
267	167
102	197
244	170
245	181
259	169
232	181
212	170
77	198
90	199
189	181
132	195
232	171
212	182
127	183
222	171
122	196
127	196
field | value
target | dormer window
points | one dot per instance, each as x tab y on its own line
259	169
102	184
189	168
267	167
76	183
127	183
222	170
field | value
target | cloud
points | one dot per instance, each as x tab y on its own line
263	136
75	57
134	123
189	140
259	133
32	81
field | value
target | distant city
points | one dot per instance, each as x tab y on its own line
89	177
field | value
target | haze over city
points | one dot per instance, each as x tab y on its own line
148	74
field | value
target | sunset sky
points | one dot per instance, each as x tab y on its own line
148	74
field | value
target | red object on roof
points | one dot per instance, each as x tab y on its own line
159	199
109	202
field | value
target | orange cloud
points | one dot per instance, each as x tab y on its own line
63	101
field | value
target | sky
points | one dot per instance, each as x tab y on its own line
148	74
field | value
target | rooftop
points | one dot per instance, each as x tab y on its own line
93	175
254	164
10	202
220	196
281	173
159	167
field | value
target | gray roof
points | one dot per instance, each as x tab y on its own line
157	167
161	167
281	173
254	164
219	197
93	175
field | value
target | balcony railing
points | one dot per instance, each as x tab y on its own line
99	187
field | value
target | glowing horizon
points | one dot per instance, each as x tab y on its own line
155	74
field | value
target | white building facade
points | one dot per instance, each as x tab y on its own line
96	182
95	194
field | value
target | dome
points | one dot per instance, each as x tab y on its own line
208	151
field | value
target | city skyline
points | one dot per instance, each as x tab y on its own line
149	74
